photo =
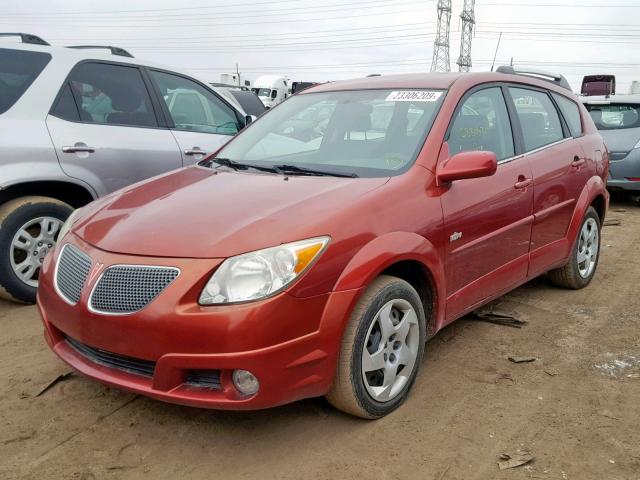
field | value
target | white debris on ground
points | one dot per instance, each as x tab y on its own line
620	366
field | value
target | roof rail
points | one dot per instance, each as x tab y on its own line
114	50
26	38
556	78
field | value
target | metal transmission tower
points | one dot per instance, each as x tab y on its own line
440	62
468	22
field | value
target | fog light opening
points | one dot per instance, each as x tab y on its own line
245	382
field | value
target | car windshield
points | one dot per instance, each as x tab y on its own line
366	133
614	116
262	92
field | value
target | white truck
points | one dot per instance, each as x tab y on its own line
272	89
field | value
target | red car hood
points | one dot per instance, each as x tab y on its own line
198	213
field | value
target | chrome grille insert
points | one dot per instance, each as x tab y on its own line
128	288
71	273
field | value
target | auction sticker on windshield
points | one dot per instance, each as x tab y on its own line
413	96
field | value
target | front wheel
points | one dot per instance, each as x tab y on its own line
581	268
29	228
382	349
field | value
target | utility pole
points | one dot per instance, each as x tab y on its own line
496	53
238	74
468	22
440	61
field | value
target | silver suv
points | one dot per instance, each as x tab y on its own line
77	123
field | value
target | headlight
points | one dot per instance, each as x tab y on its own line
261	273
73	218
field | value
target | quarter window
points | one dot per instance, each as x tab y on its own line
106	94
482	123
18	70
571	113
193	107
538	118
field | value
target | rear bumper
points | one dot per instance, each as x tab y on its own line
290	344
620	171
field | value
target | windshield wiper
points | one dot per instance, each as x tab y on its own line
225	162
295	170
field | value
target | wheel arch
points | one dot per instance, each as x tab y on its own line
595	195
74	194
405	255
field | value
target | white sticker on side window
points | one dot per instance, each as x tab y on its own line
413	96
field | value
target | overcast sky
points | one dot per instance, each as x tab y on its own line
318	40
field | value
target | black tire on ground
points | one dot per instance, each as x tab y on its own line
348	392
13	215
569	276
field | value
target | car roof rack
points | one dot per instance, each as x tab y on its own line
555	78
26	38
114	50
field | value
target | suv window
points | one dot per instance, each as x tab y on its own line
193	107
538	118
482	123
571	113
106	94
18	70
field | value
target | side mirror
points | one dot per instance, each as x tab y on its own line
472	164
249	119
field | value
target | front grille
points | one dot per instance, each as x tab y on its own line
129	288
113	360
73	268
614	156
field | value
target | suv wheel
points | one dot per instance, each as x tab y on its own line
382	350
581	268
29	228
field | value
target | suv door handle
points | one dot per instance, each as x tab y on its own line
523	182
195	151
577	161
78	148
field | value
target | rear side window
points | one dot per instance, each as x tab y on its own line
482	123
538	118
106	94
614	116
571	113
18	70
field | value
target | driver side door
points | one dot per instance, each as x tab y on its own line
487	220
200	121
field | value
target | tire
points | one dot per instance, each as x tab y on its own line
43	217
575	274
359	394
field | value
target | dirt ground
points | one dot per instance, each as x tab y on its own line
576	409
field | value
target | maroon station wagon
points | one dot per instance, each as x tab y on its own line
317	251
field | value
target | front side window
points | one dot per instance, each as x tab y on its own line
614	116
482	123
367	133
193	107
106	94
538	118
18	70
571	113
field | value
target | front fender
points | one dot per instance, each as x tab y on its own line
386	250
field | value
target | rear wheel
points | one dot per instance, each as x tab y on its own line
29	228
382	349
581	268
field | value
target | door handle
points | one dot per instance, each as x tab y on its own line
195	151
577	161
78	148
523	182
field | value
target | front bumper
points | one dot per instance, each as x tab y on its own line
290	344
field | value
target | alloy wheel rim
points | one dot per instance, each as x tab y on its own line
30	245
390	350
588	245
